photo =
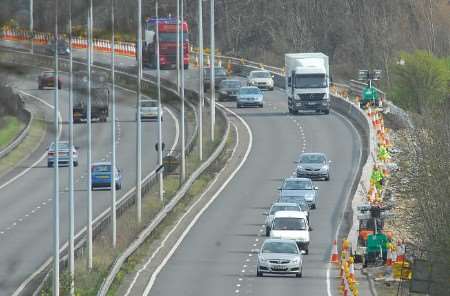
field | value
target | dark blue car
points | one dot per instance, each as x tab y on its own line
101	176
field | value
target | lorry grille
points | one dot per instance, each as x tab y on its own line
311	97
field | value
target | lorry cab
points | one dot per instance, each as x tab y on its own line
307	82
291	225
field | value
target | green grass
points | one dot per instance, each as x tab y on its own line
10	127
28	145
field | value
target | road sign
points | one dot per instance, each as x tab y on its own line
370	93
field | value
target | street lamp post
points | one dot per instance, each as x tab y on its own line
158	79
113	131
71	170
201	87
89	150
32	25
56	164
183	130
138	117
213	58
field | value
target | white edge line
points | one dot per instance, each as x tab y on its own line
22	173
200	213
163	242
345	203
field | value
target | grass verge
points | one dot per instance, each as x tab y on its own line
35	135
10	127
88	283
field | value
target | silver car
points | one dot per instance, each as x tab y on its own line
300	188
250	96
149	110
280	256
63	154
279	206
314	166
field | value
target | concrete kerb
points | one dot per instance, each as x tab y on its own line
21	136
167	209
103	217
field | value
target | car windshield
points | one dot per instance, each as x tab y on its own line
104	168
297	185
48	74
299	200
310	81
61	146
275	209
172	37
312	158
280	248
289	224
149	104
217	72
230	84
249	91
261	74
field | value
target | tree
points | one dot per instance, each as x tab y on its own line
420	79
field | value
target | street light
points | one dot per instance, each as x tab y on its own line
201	78
183	129
31	25
138	117
213	57
113	131
158	78
56	164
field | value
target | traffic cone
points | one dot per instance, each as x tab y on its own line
389	255
401	251
351	270
334	254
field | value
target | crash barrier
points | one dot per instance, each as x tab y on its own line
125	78
12	103
39	38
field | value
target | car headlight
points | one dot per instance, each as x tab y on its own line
325	167
300	168
309	197
295	261
262	260
324	103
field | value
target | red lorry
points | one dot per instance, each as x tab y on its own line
167	43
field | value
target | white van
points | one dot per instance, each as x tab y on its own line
291	225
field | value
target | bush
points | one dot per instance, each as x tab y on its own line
420	81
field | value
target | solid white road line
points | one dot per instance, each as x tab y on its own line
200	213
328	281
22	173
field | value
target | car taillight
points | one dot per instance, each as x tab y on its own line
51	153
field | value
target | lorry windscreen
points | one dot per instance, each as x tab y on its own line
310	81
171	37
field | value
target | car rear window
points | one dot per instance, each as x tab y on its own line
280	248
282	208
313	158
289	224
260	74
297	185
101	168
230	83
149	104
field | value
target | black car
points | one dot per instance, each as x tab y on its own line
219	75
229	89
63	47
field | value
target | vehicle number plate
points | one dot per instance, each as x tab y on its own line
103	177
278	267
311	103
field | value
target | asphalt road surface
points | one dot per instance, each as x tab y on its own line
26	203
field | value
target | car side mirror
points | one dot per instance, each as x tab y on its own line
330	161
273	76
279	188
316	188
77	147
296	161
265	214
303	252
310	228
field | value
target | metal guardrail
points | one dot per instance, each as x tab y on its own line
23	133
128	199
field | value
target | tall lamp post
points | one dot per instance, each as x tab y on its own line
183	130
138	117
113	131
213	58
201	87
158	79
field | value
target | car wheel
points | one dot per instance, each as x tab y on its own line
267	231
75	163
271	88
261	106
50	164
40	87
238	105
326	112
259	273
313	206
59	85
186	67
306	251
300	274
118	186
327	178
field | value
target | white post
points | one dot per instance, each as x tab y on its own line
213	84
71	165
56	164
201	90
89	150
183	131
113	131
178	47
138	118
158	79
32	25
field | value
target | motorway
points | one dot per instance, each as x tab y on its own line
26	202
218	256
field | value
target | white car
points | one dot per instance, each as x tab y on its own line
150	109
291	225
261	78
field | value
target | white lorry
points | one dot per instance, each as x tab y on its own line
307	82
